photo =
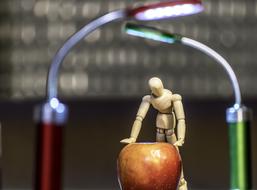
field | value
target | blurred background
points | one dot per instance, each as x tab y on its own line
104	78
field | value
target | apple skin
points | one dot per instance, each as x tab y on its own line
149	166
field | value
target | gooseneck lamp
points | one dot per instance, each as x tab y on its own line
238	116
161	10
52	115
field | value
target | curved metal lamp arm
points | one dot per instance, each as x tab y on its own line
210	52
52	82
154	11
166	37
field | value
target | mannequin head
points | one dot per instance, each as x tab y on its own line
156	86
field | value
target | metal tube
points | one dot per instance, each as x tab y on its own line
240	153
166	37
50	118
52	82
210	52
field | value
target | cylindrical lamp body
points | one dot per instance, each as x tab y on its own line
50	122
240	148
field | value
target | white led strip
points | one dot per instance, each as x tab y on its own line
170	11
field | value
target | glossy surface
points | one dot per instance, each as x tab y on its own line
149	166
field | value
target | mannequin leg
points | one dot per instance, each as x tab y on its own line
160	135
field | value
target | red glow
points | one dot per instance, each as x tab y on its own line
49	157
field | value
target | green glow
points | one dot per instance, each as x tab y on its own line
240	156
151	33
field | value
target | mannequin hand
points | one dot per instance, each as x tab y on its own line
180	142
128	140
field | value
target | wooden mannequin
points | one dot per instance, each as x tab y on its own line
170	114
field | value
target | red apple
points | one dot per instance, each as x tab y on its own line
149	166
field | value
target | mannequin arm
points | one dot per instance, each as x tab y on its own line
180	115
143	109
